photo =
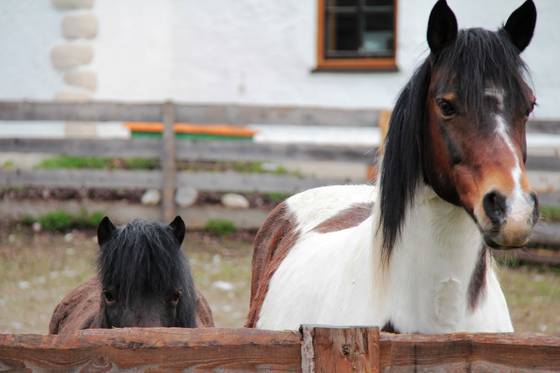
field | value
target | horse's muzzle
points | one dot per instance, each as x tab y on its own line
508	221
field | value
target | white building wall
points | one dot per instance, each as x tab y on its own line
28	30
242	51
263	52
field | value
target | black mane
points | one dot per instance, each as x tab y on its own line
474	60
144	258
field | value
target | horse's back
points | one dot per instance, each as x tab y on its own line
78	309
322	210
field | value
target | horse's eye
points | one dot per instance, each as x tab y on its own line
446	107
531	108
109	296
175	297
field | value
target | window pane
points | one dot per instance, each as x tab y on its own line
342	32
378	2
378	34
342	2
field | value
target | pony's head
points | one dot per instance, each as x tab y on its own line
145	277
459	127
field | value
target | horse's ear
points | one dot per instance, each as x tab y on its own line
105	230
520	25
178	228
442	27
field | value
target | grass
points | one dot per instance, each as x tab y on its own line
60	221
276	196
36	270
76	162
7	165
220	227
550	213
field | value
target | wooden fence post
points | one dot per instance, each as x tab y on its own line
168	162
383	124
345	349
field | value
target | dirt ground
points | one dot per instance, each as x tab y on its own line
37	269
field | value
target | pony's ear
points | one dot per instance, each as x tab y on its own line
442	27
105	230
178	228
520	25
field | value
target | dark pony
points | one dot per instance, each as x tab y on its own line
466	62
143	280
144	274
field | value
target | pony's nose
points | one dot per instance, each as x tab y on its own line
494	204
512	218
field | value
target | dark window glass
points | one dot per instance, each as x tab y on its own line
359	28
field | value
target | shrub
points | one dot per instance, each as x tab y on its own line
550	213
57	221
220	227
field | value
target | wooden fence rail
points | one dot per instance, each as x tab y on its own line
187	113
313	349
168	150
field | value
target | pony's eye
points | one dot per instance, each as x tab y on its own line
175	297
446	107
109	296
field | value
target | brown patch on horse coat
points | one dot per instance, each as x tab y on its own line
477	283
80	309
347	218
273	241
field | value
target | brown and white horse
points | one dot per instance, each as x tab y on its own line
413	254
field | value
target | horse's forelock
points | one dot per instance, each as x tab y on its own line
142	258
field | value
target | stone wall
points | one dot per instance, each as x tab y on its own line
74	55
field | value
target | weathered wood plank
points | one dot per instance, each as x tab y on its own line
168	163
207	181
161	349
546	234
122	212
192	150
342	349
232	181
469	353
83	111
101	111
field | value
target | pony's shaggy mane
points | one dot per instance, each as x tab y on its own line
477	59
144	258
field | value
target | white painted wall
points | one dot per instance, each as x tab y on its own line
262	52
243	51
28	30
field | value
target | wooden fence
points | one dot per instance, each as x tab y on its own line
313	349
169	151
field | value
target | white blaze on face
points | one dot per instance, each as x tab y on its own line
519	205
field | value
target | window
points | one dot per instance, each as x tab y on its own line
356	34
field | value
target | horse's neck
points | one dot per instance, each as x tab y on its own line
426	282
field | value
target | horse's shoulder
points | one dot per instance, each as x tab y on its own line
77	309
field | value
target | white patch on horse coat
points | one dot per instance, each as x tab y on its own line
449	302
519	206
334	278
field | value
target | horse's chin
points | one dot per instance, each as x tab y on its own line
496	246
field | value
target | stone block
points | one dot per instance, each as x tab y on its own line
65	56
72	4
82	78
72	96
83	26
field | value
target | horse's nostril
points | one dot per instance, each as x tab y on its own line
495	206
535	206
